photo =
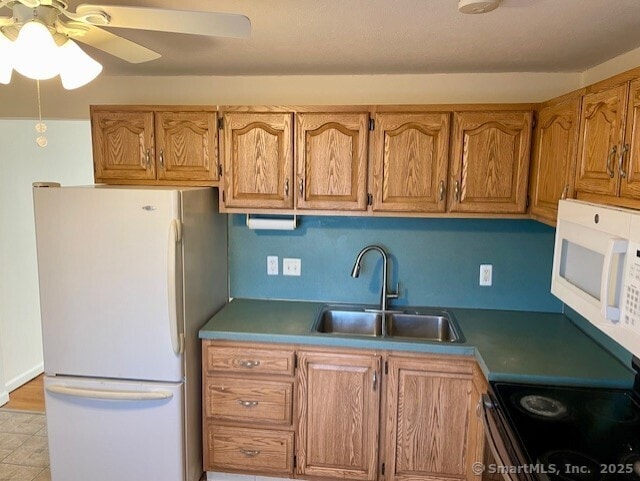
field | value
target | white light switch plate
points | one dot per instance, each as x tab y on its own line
291	267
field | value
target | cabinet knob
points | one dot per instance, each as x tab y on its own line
286	187
247	404
301	187
565	192
441	191
623	151
610	171
147	157
162	158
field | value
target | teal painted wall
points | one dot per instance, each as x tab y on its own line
437	261
597	335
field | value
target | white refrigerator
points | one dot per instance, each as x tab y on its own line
127	277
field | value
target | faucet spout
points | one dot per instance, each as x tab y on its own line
385	294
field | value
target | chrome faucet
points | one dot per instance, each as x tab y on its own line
385	295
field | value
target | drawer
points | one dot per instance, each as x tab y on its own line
236	359
243	449
234	399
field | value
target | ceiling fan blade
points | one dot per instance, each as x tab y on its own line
117	46
177	21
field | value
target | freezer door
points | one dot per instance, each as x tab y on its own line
113	430
109	265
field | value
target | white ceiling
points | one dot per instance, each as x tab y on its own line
389	37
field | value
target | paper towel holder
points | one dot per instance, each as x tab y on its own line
272	223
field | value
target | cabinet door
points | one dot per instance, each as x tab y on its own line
431	432
186	145
490	162
554	157
410	162
258	153
338	403
331	159
601	128
629	157
123	145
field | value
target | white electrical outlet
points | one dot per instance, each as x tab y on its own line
486	274
291	267
272	265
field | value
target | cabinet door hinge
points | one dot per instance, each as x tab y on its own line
369	199
534	121
372	124
382	469
219	170
386	367
295	361
295	461
220	123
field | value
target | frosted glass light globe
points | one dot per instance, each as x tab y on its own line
35	52
6	59
76	67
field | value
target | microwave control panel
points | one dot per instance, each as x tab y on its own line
631	295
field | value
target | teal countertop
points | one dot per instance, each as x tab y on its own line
531	347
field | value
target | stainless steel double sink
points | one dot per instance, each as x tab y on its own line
425	324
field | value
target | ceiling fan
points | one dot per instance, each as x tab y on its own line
84	25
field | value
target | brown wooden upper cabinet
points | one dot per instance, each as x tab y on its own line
330	170
154	146
554	156
490	162
410	160
609	148
331	161
258	160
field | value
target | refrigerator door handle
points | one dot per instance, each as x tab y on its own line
175	237
109	395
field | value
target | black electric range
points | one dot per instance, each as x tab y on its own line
568	433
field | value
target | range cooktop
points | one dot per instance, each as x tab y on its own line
574	433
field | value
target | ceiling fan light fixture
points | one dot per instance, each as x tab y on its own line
6	62
35	52
477	6
76	67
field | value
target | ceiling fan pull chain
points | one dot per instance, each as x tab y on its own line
41	127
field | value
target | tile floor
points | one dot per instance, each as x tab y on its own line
24	455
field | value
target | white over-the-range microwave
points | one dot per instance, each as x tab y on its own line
596	267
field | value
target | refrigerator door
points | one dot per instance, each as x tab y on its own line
110	275
114	430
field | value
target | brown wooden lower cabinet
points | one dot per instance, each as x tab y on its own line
240	449
338	405
340	413
432	428
248	406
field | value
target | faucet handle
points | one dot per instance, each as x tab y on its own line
396	294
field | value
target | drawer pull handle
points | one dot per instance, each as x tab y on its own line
247	404
250	453
248	364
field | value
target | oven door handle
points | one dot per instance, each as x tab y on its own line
496	443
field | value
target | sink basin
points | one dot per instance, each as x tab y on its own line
340	321
426	325
433	327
